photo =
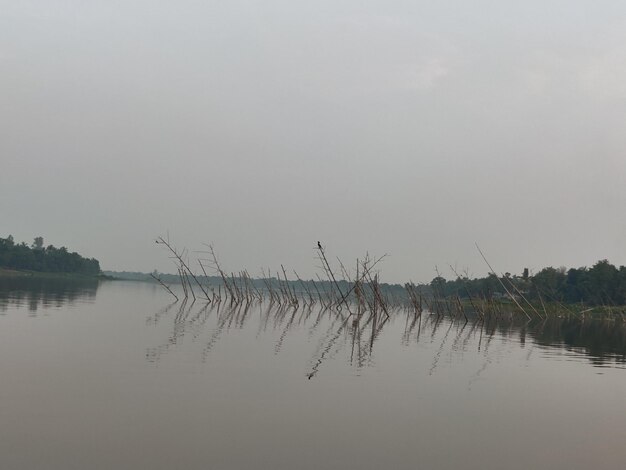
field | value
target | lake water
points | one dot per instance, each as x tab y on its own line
114	376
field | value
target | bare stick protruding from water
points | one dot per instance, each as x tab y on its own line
502	284
331	275
184	265
165	286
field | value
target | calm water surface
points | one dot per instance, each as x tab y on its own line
112	376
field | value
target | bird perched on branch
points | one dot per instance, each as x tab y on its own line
319	245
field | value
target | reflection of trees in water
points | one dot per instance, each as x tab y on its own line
36	293
602	341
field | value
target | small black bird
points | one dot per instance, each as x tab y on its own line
319	245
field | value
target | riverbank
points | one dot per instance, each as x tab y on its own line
550	309
14	273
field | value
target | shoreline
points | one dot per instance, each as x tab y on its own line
7	273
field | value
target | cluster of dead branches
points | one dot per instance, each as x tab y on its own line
357	291
337	289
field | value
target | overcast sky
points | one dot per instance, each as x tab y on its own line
413	128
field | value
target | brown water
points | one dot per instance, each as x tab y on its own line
110	377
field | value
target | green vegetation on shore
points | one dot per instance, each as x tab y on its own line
601	285
19	259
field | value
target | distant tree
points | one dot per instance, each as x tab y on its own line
438	283
37	243
489	285
550	282
577	288
603	280
620	293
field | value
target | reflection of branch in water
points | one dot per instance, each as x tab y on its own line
184	321
455	343
182	313
376	329
419	329
313	328
243	316
364	348
480	338
478	373
488	360
437	319
233	317
305	315
154	319
329	345
265	318
440	350
280	314
485	328
356	340
408	329
490	334
470	334
202	315
223	320
279	343
154	354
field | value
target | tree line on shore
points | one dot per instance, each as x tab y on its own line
602	284
38	257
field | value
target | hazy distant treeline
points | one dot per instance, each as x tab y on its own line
602	284
44	259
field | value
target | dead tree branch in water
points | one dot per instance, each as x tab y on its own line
165	286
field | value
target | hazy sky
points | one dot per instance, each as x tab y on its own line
413	128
